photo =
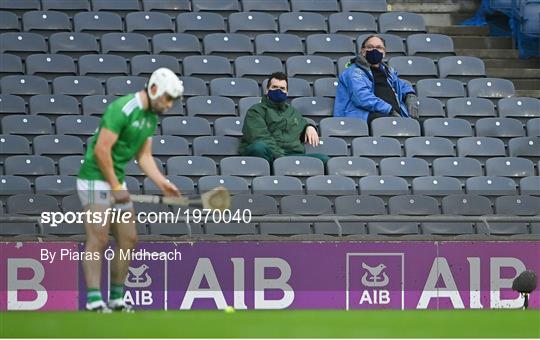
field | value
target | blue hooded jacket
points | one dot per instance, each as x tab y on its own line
355	94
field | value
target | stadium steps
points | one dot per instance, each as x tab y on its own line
515	64
482	42
460	31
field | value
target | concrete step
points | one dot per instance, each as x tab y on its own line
513	73
518	63
489	53
456	30
445	19
525	84
482	42
433	6
528	93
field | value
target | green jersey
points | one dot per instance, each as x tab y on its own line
132	124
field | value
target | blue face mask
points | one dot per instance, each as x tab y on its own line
374	56
277	96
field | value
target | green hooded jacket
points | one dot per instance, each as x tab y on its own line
278	125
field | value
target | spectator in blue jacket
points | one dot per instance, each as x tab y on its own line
369	88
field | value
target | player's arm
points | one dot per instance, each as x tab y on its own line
148	166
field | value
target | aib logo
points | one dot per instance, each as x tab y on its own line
137	279
374	277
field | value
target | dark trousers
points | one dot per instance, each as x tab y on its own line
260	149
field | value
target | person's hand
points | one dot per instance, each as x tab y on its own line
169	189
311	136
411	100
120	195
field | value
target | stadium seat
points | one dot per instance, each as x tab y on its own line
171	7
325	87
330	185
10	103
116	6
525	147
273	7
372	6
224	7
228	126
200	24
252	23
256	203
429	148
533	127
359	205
460	167
436	186
394	44
509	167
230	229
416	205
354	167
302	24
215	146
297	87
442	89
11	65
514	205
149	23
210	107
461	68
467	205
68	7
50	66
393	229
56	185
191	166
414	68
277	185
245	104
480	148
406	167
207	67
235	185
24	165
73	44
123	85
298	166
133	169
310	67
26	125
397	127
175	229
178	45
281	46
314	107
470	108
125	44
194	86
244	166
285	228
96	104
97	23
330	146
491	88
55	104
185	184
324	7
229	45
530	185
19	6
13	185
45	22
306	205
376	147
451	128
187	127
77	86
447	228
433	46
343	127
503	128
144	65
430	107
519	107
234	88
166	146
401	23
383	186
329	45
55	145
24	86
352	24
31	204
9	22
257	67
70	165
13	145
490	186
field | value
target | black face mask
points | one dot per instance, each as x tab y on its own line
374	56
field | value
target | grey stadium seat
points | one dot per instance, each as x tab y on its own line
224	7
53	145
273	7
310	67
257	67
414	68
11	65
533	127
13	145
325	87
509	167
297	87
519	107
234	88
45	22
398	127
330	146
436	186
24	85
144	65
351	24
281	46
185	184
210	106
314	107
354	167
55	104
133	169
149	23
406	167
230	229
26	125
13	185
25	165
344	127
466	204
492	88
430	45
19	6
50	66
470	108
480	147
122	85
376	147
394	44
56	185
187	127
302	23
165	146
306	205
125	44
31	204
285	229
394	229
441	89
77	86
298	166
192	166
417	205
207	67
256	203
178	45
461	167
9	22
372	6
215	146
229	45
228	126
461	68
525	147
319	6
245	104
530	185
383	186
430	107
10	103
330	185
116	6
244	166
194	86
401	23
499	127
68	7
491	186
235	185
171	7
329	45
70	165
451	128
96	104
200	24
252	23
429	147
359	205
74	44
277	185
522	205
97	23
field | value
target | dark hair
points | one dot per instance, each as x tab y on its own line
373	36
278	76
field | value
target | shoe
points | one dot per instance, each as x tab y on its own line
97	306
119	305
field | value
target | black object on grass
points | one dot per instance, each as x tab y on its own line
525	283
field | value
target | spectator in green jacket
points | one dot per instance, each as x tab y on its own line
273	128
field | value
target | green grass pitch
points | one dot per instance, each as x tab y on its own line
268	324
